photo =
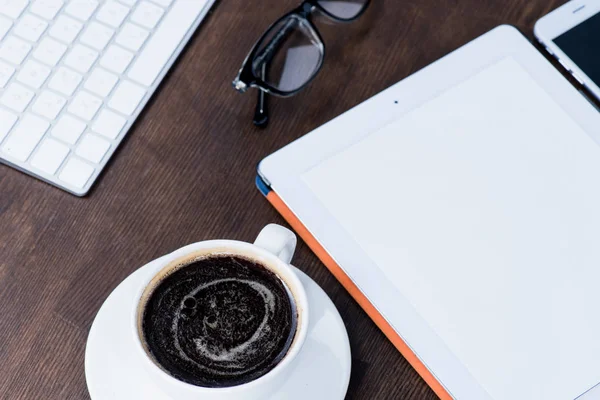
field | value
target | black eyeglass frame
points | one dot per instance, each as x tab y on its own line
247	77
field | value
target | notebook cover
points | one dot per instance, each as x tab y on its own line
360	298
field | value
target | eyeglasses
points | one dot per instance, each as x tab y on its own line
290	53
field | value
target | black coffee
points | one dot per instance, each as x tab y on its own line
219	321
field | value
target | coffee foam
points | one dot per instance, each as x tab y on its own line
198	255
228	357
231	359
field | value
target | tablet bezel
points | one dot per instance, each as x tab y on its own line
283	170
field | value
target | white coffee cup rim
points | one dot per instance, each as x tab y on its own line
215	247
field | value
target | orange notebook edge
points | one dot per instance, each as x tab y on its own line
360	298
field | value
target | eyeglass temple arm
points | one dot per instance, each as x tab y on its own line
261	113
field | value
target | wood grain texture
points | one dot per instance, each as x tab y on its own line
185	173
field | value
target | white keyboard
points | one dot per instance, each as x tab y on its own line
75	74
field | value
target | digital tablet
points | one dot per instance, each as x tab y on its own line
461	209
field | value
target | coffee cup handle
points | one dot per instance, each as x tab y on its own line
277	240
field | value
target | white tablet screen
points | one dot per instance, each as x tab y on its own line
483	209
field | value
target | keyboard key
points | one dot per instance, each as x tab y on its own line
85	105
164	3
76	173
164	41
25	137
6	72
132	37
101	82
49	104
81	58
50	156
68	129
65	81
14	50
30	27
112	13
129	2
92	148
12	8
116	59
49	51
147	14
96	36
65	29
81	9
33	74
5	25
7	120
46	9
16	97
109	124
127	97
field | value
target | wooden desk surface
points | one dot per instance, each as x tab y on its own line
186	172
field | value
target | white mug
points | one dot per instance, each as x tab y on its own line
273	248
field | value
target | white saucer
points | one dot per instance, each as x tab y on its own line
321	371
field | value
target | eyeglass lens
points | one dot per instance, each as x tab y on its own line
344	9
289	55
